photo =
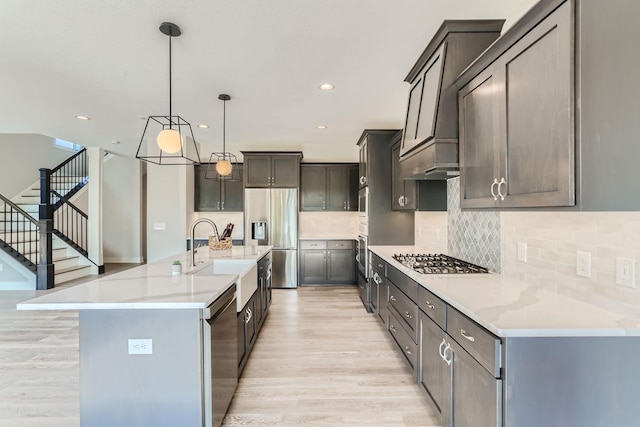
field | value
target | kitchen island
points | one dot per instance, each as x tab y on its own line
492	351
158	349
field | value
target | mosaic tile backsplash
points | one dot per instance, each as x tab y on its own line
473	236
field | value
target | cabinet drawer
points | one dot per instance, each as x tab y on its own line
339	244
406	345
378	264
313	244
403	282
480	343
433	306
405	310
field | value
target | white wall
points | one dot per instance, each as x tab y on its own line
121	204
23	155
13	276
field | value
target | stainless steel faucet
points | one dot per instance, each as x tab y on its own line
193	231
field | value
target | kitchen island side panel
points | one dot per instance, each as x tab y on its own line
571	381
143	390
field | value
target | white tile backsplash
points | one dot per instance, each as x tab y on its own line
553	238
328	225
431	231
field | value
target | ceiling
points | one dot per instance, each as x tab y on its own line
106	59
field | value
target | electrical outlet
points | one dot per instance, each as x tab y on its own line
583	265
159	226
522	252
140	346
626	272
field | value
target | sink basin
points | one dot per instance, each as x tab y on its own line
247	272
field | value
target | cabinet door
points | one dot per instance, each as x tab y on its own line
337	188
364	158
403	192
207	195
285	171
313	266
257	171
476	394
538	155
341	266
232	195
313	188
352	199
479	148
432	366
242	349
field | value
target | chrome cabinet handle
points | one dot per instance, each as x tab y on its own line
218	205
400	201
495	182
392	329
440	352
447	360
324	205
348	205
408	315
380	266
406	349
248	316
358	257
465	334
428	304
362	180
344	205
502	181
392	298
222	205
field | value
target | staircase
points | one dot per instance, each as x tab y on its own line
69	263
62	231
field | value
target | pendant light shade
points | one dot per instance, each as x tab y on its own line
223	166
168	140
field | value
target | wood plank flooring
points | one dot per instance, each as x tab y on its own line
320	360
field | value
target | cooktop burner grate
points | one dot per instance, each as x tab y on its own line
438	264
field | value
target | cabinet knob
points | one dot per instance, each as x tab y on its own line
344	205
222	204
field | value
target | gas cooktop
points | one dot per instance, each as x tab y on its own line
437	264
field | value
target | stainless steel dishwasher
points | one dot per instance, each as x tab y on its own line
220	345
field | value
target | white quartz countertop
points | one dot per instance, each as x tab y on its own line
152	286
510	308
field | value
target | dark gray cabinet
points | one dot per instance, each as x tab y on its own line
247	331
432	370
327	262
211	196
411	195
271	169
328	187
363	161
516	138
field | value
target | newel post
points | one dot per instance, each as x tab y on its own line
45	268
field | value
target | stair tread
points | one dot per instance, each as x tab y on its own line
64	258
68	269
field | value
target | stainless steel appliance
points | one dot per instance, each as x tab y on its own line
437	264
362	256
274	211
363	203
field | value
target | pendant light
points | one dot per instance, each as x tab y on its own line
172	142
226	164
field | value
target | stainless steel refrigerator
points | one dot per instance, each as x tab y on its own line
271	218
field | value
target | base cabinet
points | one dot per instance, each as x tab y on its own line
327	262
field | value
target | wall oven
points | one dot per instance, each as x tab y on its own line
363	204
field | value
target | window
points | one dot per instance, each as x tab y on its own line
66	145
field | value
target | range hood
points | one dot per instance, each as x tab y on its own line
429	148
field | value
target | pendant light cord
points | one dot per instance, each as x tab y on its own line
170	112
224	130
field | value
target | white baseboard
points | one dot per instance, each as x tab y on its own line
122	260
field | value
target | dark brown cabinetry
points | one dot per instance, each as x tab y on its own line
327	262
411	195
429	146
363	162
265	169
516	138
212	196
328	187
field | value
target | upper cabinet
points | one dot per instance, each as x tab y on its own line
330	187
212	196
429	146
516	142
271	169
363	161
545	119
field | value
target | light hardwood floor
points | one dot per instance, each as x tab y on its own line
320	360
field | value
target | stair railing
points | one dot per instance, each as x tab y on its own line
58	215
19	234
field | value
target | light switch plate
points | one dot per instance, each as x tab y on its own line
140	346
522	251
159	226
583	265
626	272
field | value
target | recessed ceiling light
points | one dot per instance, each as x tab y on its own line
326	86
83	118
321	127
115	142
203	126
